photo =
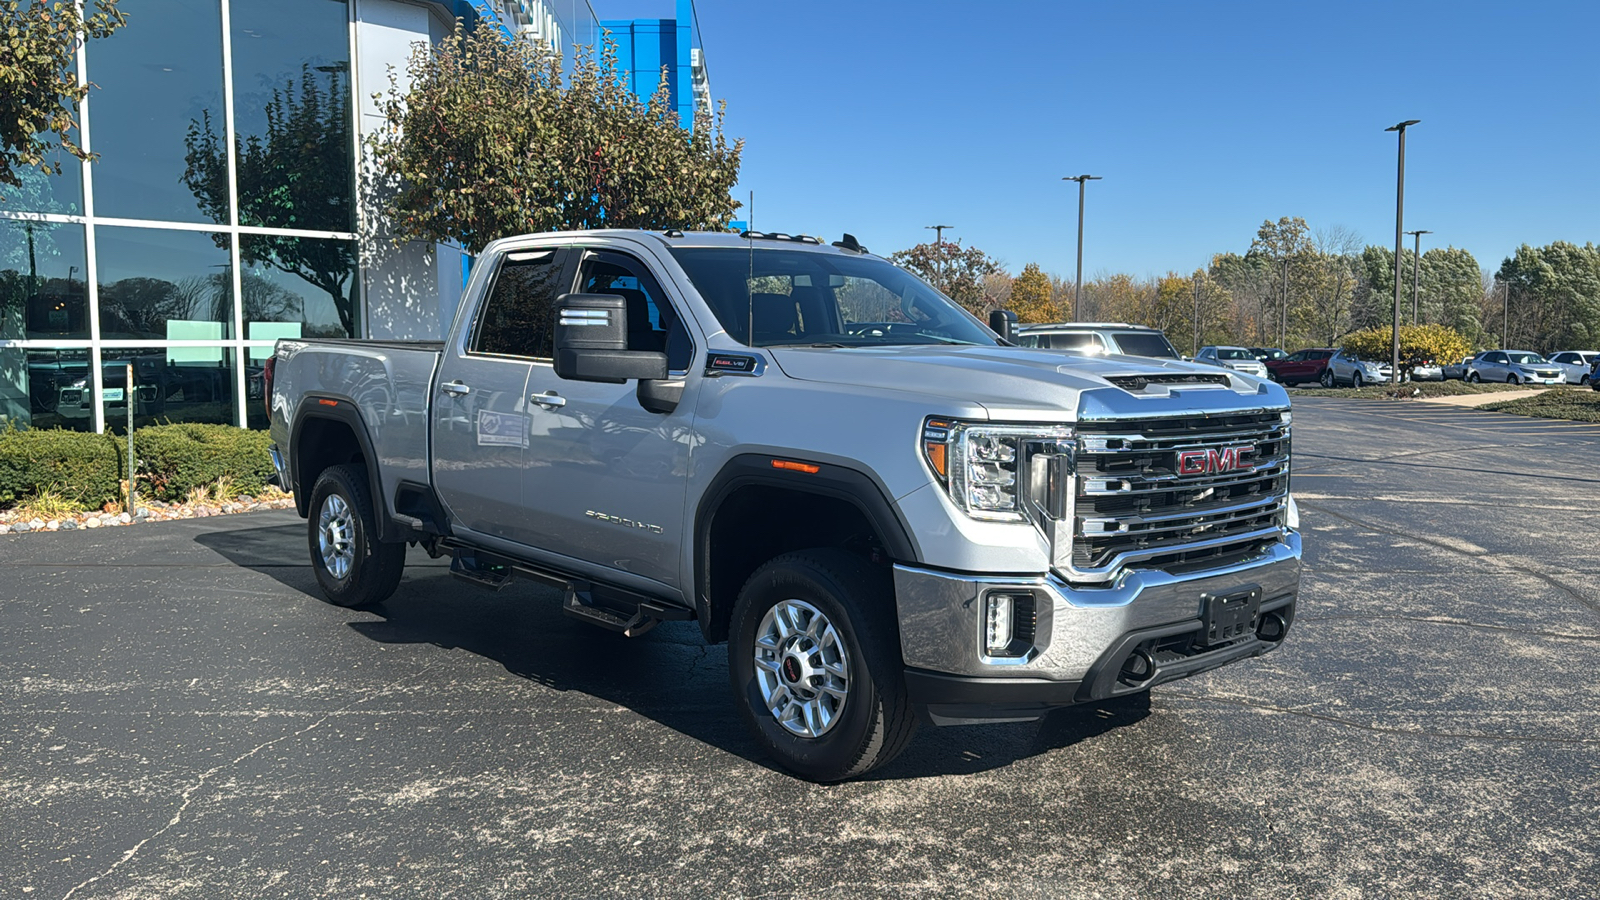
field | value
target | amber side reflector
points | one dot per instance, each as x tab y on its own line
935	451
326	402
793	466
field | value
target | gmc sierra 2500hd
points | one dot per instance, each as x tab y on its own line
892	514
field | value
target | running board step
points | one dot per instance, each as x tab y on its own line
468	569
579	603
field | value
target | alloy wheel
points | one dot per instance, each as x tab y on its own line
802	668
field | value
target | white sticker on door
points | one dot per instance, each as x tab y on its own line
502	429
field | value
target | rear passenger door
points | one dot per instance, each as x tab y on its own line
606	479
480	410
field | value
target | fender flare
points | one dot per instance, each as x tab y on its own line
853	486
341	409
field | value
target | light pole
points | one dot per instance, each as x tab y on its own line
1283	310
1416	263
938	245
1399	226
1077	291
1505	317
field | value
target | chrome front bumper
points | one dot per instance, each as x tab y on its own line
941	627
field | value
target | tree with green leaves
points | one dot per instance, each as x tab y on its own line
1030	296
297	175
1554	296
958	272
39	89
492	139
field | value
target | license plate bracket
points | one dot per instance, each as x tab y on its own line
1230	615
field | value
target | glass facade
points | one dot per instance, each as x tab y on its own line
219	217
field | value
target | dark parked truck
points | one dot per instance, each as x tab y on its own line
891	514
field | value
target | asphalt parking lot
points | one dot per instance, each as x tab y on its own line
180	716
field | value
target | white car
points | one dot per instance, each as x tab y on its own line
1515	367
1577	364
1345	367
1236	358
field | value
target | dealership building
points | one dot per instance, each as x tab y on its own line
225	212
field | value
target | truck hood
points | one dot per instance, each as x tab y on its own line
1011	382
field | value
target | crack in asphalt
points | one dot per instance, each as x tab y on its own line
189	793
1459	624
1591	605
1385	729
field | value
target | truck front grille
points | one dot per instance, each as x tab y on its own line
1177	493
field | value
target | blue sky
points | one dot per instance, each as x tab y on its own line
879	117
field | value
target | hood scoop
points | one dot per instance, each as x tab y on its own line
1134	384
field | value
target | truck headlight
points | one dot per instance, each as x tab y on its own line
985	468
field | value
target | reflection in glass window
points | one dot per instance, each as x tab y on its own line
298	287
59	193
516	320
174	384
169	285
45	389
43	294
291	84
159	87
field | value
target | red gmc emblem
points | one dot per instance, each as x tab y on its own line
1214	462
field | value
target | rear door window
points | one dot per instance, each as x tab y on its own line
516	319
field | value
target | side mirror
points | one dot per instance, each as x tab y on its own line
591	342
1004	323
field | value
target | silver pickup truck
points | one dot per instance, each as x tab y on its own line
892	514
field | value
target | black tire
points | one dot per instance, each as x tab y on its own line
373	566
1327	378
1511	379
1355	379
874	722
1473	378
1583	380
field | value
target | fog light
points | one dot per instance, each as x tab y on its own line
997	623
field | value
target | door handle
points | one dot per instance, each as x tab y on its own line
455	389
549	400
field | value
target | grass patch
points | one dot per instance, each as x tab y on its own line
1580	405
1412	390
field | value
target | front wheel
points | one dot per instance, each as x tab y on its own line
353	567
1511	379
1474	378
1327	378
1355	379
815	665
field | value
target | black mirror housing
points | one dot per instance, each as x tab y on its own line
1004	323
591	342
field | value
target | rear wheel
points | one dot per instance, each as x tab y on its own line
815	665
353	567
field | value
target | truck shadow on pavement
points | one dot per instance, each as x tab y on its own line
669	675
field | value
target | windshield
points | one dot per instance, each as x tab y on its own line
1525	358
1145	343
1233	353
795	297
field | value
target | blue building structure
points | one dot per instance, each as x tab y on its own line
645	46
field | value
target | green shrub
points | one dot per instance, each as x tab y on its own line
175	459
86	469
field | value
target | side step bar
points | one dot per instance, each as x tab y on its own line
612	608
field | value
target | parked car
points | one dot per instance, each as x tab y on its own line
1098	339
1515	367
1421	369
1267	354
1457	370
1594	375
1576	364
1236	358
1345	367
1300	366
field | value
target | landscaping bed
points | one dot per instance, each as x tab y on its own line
1412	390
1576	404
